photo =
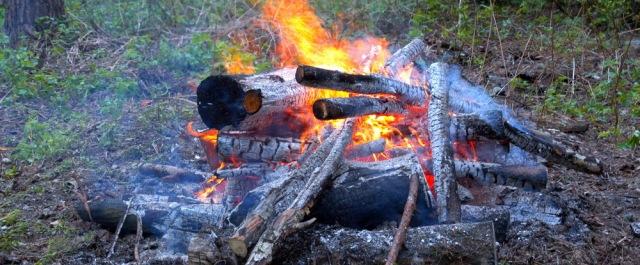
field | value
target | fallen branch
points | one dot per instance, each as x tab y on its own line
447	201
401	233
118	229
362	84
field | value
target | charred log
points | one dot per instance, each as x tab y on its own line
404	56
171	173
465	243
277	197
291	220
362	84
248	148
340	108
447	201
251	102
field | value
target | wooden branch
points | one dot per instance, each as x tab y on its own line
171	173
551	150
340	108
447	201
362	84
401	233
290	220
277	196
463	243
250	148
366	149
404	56
251	102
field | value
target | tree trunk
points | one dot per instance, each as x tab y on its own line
24	17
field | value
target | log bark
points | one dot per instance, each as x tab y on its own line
28	17
447	201
465	243
473	127
531	178
404	56
250	148
340	108
362	84
256	102
291	220
276	198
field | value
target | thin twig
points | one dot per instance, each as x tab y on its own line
401	233
117	234
136	249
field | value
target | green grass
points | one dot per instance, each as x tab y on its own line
43	141
14	231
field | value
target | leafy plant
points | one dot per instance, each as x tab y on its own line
42	141
15	229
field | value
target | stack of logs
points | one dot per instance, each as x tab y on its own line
319	184
281	207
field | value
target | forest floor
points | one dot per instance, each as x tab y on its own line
67	123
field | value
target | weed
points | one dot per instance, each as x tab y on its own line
42	141
13	228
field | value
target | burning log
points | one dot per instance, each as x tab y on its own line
404	56
340	108
463	243
291	220
250	102
447	201
362	84
250	148
277	197
366	149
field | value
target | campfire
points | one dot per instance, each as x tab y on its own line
341	145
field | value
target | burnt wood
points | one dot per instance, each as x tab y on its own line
253	148
340	108
255	102
362	84
447	201
404	56
462	243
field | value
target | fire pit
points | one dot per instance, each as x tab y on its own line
320	163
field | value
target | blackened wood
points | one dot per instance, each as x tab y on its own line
340	108
404	56
472	127
551	150
291	219
532	178
28	17
401	233
462	243
447	201
251	102
158	214
362	84
366	149
277	196
252	148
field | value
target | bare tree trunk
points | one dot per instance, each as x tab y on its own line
23	17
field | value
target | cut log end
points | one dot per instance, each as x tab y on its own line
252	101
220	101
323	110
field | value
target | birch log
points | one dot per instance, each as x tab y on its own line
404	56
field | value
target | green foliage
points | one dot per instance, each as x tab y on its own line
42	141
14	231
633	141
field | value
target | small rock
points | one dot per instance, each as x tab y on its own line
635	228
498	91
6	160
